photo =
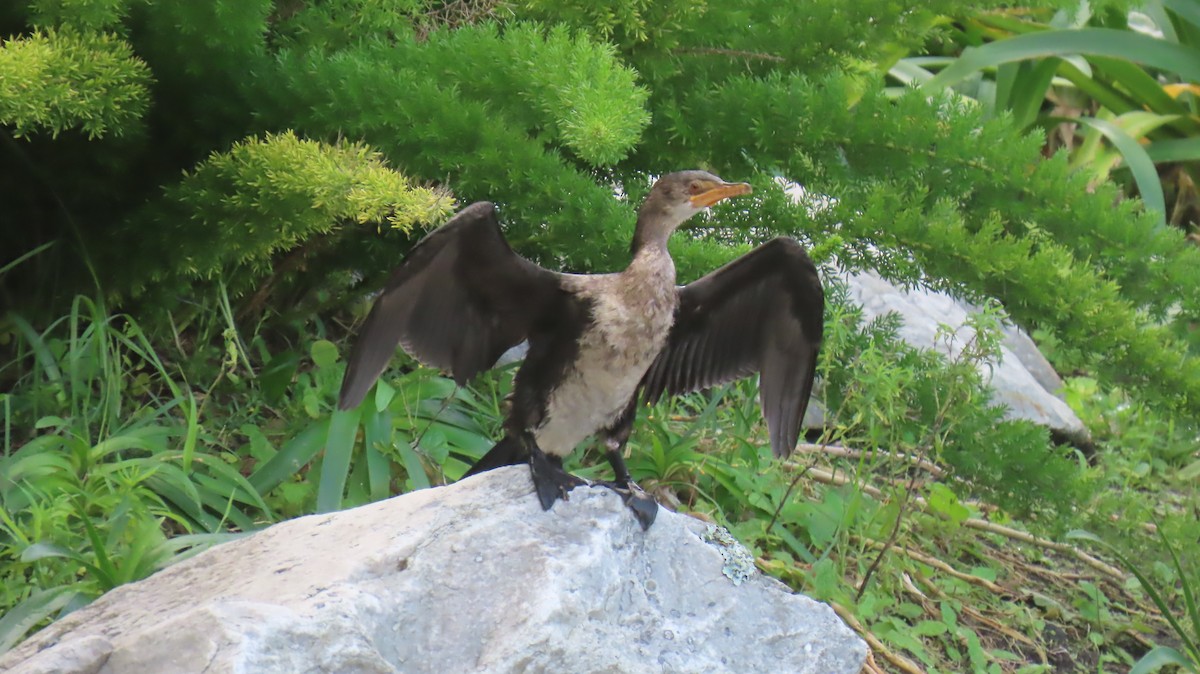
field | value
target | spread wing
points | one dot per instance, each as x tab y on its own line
763	312
460	299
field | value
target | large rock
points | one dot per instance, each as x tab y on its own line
473	577
1022	381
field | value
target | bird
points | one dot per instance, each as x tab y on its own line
598	344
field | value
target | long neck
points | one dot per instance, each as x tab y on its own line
652	232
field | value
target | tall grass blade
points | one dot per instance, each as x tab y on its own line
1145	88
234	484
1188	10
1145	175
34	609
1189	599
192	414
231	324
339	448
377	432
188	501
1147	585
17	262
218	501
1175	149
179	548
104	568
294	455
1029	91
1107	96
41	353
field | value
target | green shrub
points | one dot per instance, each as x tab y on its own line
58	79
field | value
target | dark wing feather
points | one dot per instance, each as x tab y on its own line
459	300
763	312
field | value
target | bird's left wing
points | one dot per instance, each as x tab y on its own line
459	300
763	312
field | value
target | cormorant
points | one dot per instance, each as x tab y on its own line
598	343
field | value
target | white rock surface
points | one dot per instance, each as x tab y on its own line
473	577
1023	381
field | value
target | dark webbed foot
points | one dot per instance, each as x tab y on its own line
643	505
549	478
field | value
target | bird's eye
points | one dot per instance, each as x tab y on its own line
695	187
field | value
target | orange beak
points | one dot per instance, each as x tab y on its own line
720	192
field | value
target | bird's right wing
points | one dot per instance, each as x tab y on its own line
459	300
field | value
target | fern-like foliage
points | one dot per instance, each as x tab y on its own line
81	15
239	210
562	88
434	127
57	79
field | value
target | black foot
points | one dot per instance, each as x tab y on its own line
550	480
643	505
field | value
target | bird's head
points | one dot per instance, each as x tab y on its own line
678	196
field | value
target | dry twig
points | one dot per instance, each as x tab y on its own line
993	625
1025	537
944	567
907	666
846	452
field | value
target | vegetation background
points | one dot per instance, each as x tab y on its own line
198	197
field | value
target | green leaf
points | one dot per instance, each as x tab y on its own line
1143	170
186	501
50	422
384	392
192	412
46	551
1189	472
930	628
1188	10
1120	44
1174	149
413	465
1161	656
1029	91
910	72
234	484
37	607
41	351
294	455
1147	90
339	448
944	501
276	377
324	353
377	434
105	568
17	262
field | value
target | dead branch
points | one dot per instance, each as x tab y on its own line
944	568
907	666
846	452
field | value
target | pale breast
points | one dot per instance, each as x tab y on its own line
632	314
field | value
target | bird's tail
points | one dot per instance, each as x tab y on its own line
507	452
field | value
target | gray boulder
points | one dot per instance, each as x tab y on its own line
473	577
1022	381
